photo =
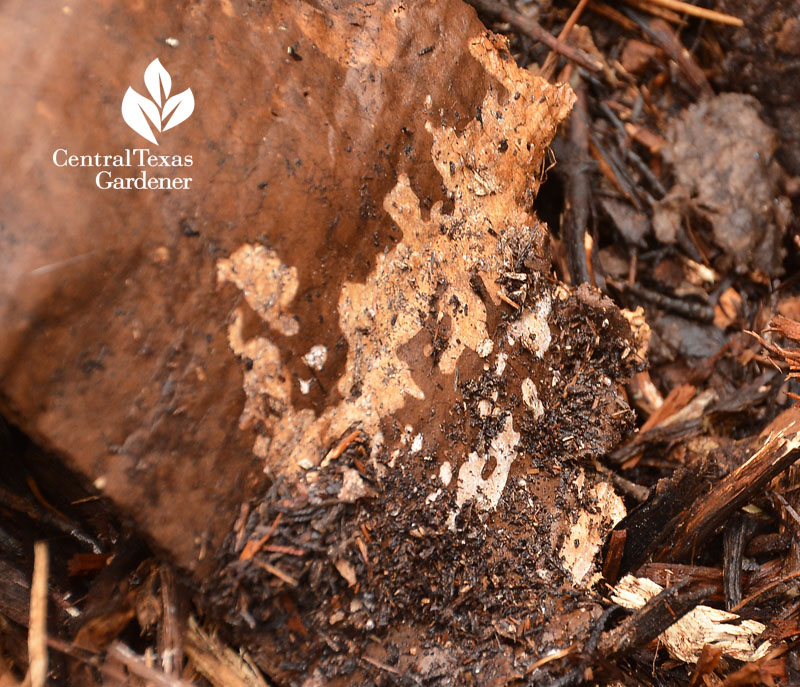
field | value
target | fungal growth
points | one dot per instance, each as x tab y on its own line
474	391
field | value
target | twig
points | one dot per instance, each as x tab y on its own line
253	546
664	434
763	590
613	558
535	30
696	524
37	630
700	12
655	10
380	665
502	296
546	71
275	570
613	168
578	191
18	503
171	636
604	10
340	448
791	512
549	658
646	172
696	311
288	550
137	666
664	36
636	491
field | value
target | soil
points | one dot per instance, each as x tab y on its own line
491	452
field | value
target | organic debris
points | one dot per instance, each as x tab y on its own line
498	385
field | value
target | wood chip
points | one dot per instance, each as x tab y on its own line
686	639
219	664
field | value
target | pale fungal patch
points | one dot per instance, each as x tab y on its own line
416	445
485	348
427	268
316	357
471	485
430	498
530	397
532	330
405	277
268	285
588	532
703	625
500	366
446	473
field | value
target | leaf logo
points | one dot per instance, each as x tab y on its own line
140	113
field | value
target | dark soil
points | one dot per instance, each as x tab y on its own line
375	586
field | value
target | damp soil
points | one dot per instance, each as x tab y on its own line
368	571
405	577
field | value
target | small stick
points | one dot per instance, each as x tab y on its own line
613	169
279	548
696	524
613	559
663	35
546	71
535	30
380	665
578	190
655	10
700	12
763	590
555	656
253	546
608	12
137	666
697	311
219	664
340	448
37	631
647	173
506	299
275	570
789	510
733	547
171	632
